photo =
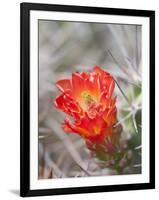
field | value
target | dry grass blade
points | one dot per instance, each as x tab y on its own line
124	95
69	147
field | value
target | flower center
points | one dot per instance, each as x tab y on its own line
87	98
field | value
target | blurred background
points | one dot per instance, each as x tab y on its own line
66	47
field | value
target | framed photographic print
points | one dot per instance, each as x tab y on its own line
87	99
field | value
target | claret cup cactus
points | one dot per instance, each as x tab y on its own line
88	97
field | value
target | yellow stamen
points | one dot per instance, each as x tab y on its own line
87	97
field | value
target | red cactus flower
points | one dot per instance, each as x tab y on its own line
88	99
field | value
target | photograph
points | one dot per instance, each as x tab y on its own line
90	99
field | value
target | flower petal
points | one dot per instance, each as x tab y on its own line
110	116
107	85
100	72
92	85
66	103
63	85
76	129
107	101
77	85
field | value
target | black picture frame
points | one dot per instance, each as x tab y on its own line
25	9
